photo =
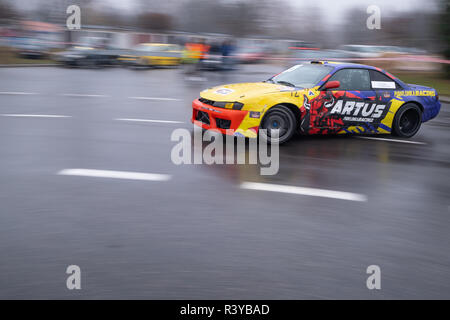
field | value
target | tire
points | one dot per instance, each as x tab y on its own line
407	121
278	117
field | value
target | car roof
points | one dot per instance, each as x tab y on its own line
342	64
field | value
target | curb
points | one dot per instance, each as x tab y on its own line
28	65
444	99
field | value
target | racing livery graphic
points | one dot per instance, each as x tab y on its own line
316	111
328	113
318	97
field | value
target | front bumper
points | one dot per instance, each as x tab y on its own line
431	110
225	121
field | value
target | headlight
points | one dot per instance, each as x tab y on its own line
228	105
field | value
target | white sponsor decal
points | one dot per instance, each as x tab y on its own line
383	84
224	91
355	110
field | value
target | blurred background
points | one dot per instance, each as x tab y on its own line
109	96
414	36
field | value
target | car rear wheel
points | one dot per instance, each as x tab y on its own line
407	121
278	118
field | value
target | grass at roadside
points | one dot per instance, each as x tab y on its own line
434	80
7	56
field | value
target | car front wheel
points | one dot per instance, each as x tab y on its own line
279	118
407	121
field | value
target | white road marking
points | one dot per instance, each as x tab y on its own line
392	140
155	98
35	115
16	93
148	120
304	191
196	78
115	174
84	95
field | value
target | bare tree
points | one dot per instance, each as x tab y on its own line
242	17
445	32
7	11
154	21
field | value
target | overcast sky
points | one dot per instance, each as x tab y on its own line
332	10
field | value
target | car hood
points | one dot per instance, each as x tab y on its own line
239	91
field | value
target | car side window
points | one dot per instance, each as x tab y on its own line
380	81
352	79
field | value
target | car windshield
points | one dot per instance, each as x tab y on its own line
302	75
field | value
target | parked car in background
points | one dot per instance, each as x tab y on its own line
305	54
94	42
250	54
362	51
372	51
31	48
213	58
152	55
88	57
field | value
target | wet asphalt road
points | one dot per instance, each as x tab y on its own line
198	235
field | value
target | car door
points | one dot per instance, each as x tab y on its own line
353	104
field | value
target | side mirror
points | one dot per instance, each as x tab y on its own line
332	85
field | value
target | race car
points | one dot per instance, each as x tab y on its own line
317	97
87	57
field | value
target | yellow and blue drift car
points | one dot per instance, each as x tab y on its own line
318	97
